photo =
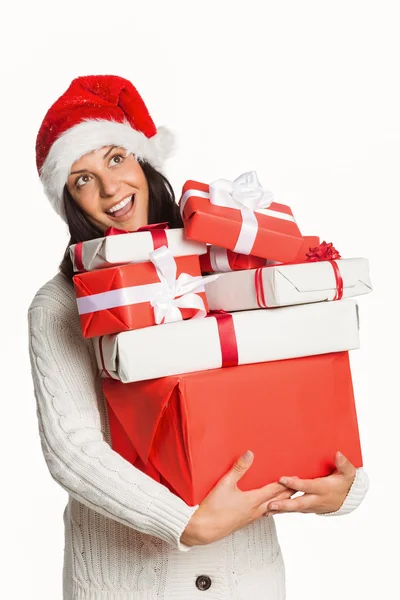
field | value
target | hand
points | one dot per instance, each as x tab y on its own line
322	494
227	508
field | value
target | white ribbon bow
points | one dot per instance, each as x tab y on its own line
176	293
246	194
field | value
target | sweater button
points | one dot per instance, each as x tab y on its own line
203	582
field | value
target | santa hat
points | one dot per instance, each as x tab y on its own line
95	111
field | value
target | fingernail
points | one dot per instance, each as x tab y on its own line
284	480
273	507
248	455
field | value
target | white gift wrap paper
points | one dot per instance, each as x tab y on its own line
262	335
132	248
286	285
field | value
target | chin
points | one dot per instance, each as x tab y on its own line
128	225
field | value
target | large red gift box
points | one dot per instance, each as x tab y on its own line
186	431
269	232
117	299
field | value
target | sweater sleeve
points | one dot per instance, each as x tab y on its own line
66	389
355	496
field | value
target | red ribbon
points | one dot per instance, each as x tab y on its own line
338	279
260	295
258	281
156	230
324	251
100	340
328	253
78	257
227	338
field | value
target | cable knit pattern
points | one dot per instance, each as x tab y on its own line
122	529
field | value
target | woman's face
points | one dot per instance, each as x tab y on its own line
110	187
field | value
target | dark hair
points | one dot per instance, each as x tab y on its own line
162	207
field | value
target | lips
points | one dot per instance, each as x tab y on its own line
124	210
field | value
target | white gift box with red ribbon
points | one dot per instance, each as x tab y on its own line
132	247
285	285
246	337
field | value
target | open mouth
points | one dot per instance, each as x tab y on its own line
122	208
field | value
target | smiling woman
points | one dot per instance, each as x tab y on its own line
110	187
127	536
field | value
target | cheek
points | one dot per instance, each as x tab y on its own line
134	173
92	211
88	202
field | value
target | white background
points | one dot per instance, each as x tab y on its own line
305	93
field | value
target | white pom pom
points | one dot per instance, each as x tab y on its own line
163	143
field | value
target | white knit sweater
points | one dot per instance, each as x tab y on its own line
122	529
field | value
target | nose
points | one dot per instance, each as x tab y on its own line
109	184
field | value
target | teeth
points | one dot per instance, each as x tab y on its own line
120	205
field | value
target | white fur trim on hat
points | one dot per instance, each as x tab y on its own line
90	135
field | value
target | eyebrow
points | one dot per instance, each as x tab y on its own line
104	157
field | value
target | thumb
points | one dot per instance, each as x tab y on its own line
240	467
343	465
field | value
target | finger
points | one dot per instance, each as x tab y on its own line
300	504
266	506
282	496
271	513
343	465
240	467
309	486
267	492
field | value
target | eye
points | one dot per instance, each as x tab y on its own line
121	158
83	178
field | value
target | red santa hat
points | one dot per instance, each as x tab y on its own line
95	111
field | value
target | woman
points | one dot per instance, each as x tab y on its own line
99	157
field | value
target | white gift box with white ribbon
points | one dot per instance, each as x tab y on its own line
285	285
261	336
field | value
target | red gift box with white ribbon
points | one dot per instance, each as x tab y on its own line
240	216
162	290
221	260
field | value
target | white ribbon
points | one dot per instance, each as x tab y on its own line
219	259
162	295
176	293
246	194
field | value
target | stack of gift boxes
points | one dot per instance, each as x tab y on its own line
230	334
